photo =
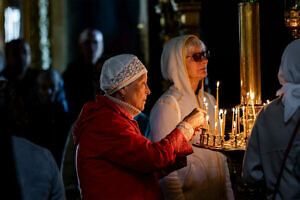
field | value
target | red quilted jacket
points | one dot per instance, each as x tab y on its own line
114	161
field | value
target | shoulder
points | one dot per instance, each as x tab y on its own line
26	147
32	154
272	109
171	97
210	97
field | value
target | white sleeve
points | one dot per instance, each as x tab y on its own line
163	119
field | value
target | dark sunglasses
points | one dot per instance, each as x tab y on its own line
198	57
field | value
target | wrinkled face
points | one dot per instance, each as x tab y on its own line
196	63
136	92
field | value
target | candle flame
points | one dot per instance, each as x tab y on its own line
251	95
221	111
225	112
218	83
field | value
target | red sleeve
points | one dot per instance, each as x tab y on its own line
121	143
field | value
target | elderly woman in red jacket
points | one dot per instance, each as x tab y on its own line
114	161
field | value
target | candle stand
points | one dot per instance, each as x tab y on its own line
232	143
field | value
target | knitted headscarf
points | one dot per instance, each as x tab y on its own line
119	71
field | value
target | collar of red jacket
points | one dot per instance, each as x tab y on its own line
90	108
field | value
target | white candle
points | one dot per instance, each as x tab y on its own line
217	95
252	103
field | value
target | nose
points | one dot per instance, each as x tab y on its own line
204	60
148	90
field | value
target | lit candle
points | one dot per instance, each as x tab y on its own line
216	128
232	130
207	124
224	122
217	95
216	119
247	100
252	104
244	122
221	121
238	120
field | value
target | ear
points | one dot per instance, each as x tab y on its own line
122	91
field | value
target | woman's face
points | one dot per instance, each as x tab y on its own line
136	92
196	63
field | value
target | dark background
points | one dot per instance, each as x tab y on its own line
118	19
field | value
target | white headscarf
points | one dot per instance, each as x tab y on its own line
289	78
173	67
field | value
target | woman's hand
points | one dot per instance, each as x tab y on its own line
196	118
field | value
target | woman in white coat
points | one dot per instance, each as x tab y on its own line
184	63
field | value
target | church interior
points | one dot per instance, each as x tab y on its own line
142	27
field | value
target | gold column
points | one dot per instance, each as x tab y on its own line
249	34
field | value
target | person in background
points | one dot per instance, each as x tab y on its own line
114	160
29	171
49	120
81	76
17	69
184	62
272	132
21	79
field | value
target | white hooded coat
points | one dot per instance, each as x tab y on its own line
206	175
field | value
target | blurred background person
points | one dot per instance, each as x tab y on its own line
272	133
184	62
49	120
82	75
30	171
21	79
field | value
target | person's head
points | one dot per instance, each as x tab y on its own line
49	84
196	58
17	57
125	77
289	71
184	62
91	44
